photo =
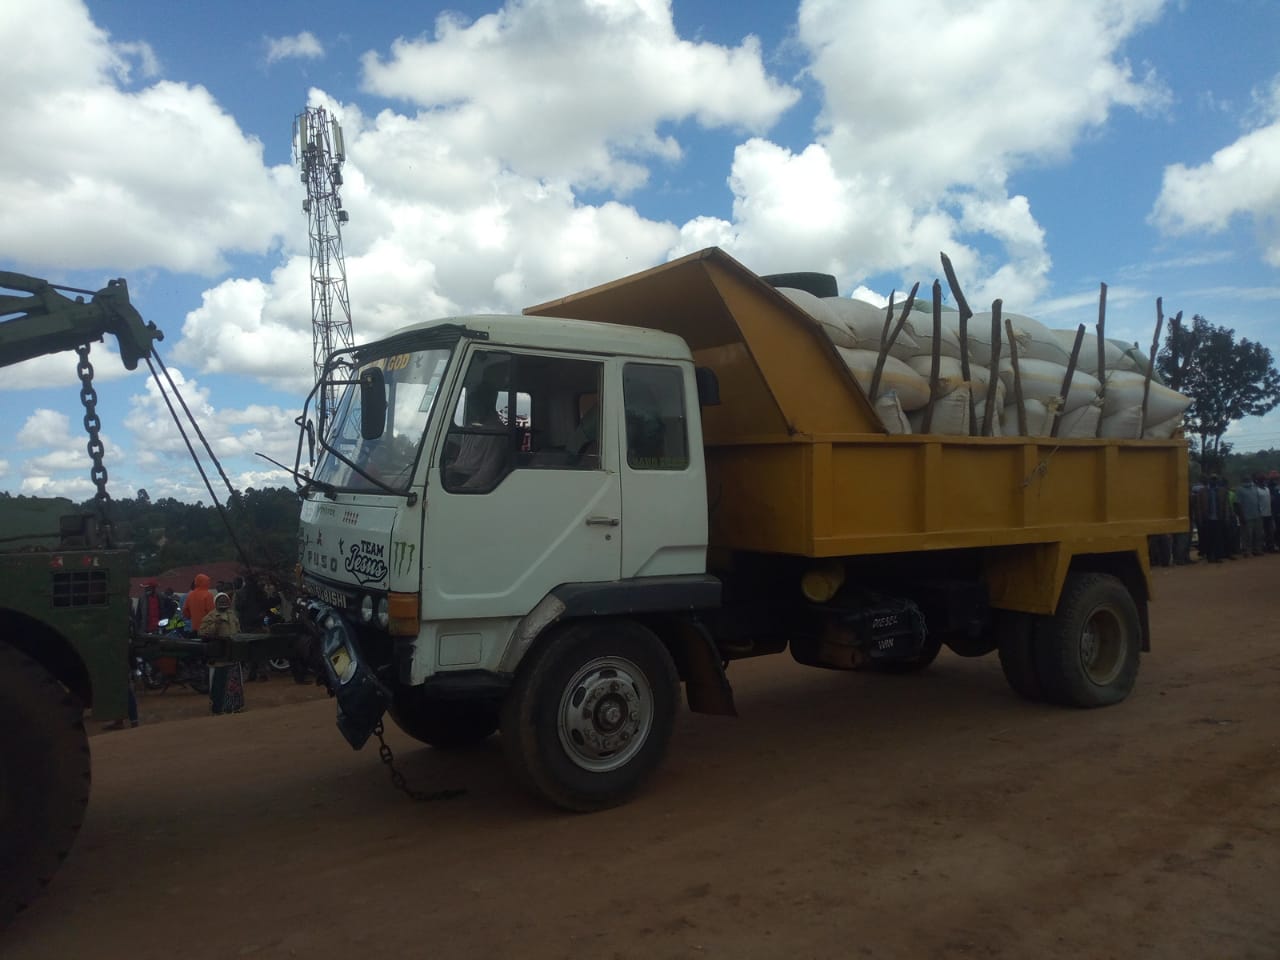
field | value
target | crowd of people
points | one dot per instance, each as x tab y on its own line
1228	522
209	611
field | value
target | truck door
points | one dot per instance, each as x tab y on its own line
524	491
664	483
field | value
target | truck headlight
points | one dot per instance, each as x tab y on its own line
366	609
384	614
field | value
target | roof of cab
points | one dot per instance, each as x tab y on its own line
570	336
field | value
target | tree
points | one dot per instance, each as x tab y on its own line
1225	379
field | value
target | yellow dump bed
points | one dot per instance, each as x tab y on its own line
799	463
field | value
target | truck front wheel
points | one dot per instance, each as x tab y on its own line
1087	652
590	716
443	724
44	778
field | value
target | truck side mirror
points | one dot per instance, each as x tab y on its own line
373	403
708	386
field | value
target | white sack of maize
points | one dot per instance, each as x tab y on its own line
1082	422
865	324
1042	380
1133	357
950	376
911	388
950	414
1124	390
1088	359
1123	425
1163	430
920	326
980	408
1035	340
890	412
1039	418
817	311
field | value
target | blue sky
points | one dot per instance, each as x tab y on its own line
500	155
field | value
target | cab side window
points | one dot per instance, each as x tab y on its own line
657	435
522	412
480	444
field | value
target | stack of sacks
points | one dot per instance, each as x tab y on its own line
855	327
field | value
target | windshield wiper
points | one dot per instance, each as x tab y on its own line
328	489
410	496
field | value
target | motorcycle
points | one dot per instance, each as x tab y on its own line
188	670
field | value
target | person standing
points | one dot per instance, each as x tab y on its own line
149	611
1264	513
199	602
1250	519
226	680
1211	518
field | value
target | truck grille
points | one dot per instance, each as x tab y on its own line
80	588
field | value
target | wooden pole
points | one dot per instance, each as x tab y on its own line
1102	353
1151	366
965	313
927	425
1021	406
997	307
886	342
1066	381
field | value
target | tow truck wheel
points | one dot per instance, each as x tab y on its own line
443	724
1087	652
44	778
590	715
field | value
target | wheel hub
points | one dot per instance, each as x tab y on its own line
606	713
1102	647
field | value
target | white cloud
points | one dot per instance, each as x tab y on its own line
302	46
102	176
59	370
230	431
919	132
1241	179
576	89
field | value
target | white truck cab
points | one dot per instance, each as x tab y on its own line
488	481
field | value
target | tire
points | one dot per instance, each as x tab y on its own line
964	645
1087	653
444	724
598	758
1014	640
44	778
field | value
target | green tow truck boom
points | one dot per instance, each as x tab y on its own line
64	601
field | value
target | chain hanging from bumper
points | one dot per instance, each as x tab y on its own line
398	780
92	426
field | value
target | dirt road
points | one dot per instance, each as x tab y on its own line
842	815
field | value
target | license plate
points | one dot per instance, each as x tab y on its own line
341	662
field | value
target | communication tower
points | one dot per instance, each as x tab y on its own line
319	152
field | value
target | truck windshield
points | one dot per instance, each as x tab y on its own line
413	380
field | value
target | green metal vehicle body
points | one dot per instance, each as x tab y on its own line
64	599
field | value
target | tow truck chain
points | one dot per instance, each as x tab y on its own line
398	780
92	423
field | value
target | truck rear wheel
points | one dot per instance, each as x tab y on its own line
590	716
443	724
1015	636
1087	652
44	778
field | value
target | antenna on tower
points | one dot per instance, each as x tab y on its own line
319	151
